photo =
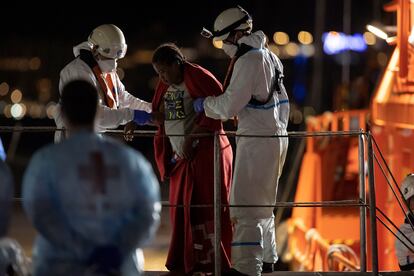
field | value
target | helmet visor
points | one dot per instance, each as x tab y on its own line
223	34
206	33
115	51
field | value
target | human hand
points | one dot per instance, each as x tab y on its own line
129	131
142	117
188	148
157	117
198	105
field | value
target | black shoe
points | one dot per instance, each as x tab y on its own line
268	267
233	272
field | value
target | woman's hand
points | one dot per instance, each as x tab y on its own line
157	117
188	148
129	131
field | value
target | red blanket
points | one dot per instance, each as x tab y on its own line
192	182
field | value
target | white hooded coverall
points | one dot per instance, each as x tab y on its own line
405	255
88	192
259	161
107	118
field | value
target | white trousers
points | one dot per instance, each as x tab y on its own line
253	243
259	164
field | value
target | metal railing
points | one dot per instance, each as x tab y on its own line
365	141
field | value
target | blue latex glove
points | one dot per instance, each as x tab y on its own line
141	117
198	105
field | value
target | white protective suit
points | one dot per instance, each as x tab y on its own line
89	192
404	255
259	161
107	118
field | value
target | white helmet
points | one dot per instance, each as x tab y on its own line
229	20
407	186
109	41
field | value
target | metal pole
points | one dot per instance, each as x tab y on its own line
362	198
217	205
372	206
346	56
317	74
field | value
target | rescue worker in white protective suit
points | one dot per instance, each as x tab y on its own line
96	62
405	248
255	93
12	258
93	200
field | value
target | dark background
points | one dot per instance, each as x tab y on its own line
49	32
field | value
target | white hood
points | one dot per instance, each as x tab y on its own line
256	40
82	46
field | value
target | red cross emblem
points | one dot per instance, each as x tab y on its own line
97	172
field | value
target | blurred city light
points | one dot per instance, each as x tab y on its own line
142	56
18	111
307	50
334	43
44	87
370	38
281	38
305	37
4	88
382	59
20	64
292	49
36	110
34	63
16	96
7	111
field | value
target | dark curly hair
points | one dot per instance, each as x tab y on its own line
168	53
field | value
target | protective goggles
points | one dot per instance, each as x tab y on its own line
115	51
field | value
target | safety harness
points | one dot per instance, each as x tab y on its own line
277	82
106	84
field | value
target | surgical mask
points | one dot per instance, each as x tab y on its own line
107	65
230	49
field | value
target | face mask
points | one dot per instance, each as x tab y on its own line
230	49
107	65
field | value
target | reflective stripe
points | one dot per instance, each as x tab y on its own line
267	106
282	102
244	243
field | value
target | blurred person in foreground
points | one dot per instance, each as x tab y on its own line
93	201
254	92
96	62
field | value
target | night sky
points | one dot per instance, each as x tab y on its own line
49	33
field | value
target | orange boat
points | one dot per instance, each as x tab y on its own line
323	239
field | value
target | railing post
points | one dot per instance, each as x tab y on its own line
372	206
217	205
362	199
